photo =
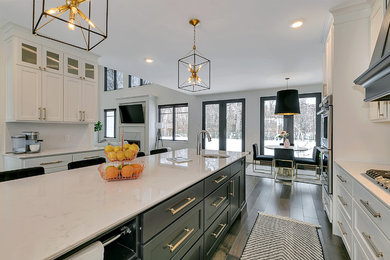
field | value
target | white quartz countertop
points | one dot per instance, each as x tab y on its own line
43	217
357	170
53	152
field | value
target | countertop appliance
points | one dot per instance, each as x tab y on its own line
27	142
19	144
381	177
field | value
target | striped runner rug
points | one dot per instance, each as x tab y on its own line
276	237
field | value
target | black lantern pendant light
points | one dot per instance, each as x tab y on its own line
194	69
59	21
287	102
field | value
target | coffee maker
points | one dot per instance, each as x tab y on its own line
28	142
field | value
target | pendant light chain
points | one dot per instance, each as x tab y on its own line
194	48
287	81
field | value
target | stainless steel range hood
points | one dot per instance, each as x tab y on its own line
376	79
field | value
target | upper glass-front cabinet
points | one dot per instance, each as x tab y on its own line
89	71
52	61
72	67
29	54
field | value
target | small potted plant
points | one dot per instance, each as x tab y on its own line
283	135
97	128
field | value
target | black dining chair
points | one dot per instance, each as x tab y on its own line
259	159
284	160
140	154
309	163
21	173
86	163
156	151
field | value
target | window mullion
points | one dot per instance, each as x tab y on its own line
173	122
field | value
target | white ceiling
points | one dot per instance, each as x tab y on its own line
249	42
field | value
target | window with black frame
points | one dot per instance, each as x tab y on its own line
113	79
174	122
136	82
303	129
109	123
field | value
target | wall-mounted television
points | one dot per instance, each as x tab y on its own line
132	114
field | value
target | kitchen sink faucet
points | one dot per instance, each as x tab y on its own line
199	137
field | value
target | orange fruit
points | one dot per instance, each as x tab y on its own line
112	172
127	171
137	168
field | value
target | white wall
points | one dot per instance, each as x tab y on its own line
356	138
169	96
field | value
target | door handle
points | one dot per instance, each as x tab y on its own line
232	193
188	202
172	248
221	178
367	237
44	113
216	235
217	204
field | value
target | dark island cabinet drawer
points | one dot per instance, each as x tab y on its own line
178	238
157	218
215	203
195	253
217	179
214	235
237	166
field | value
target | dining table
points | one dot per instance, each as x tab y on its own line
295	148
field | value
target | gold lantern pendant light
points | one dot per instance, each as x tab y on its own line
194	69
74	19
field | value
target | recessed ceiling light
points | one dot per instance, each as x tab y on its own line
296	24
149	60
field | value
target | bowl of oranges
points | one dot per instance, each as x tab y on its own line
115	171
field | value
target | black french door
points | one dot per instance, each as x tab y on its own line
225	121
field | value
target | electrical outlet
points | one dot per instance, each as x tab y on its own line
67	138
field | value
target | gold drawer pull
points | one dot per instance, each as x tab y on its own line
216	235
341	228
188	233
217	204
188	202
221	178
342	200
341	178
232	193
367	237
48	163
371	210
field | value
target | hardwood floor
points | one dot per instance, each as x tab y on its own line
303	202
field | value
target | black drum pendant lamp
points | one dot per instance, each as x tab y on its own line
287	102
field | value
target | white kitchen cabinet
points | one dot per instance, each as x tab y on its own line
80	100
38	95
28	54
52	97
72	99
27	94
52	60
328	63
89	101
35	84
89	71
